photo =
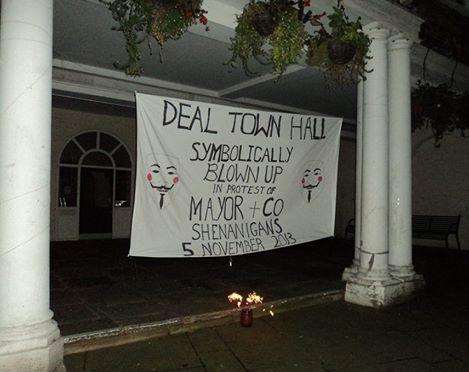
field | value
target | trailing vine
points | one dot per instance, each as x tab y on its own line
441	109
343	52
141	20
274	30
287	40
270	30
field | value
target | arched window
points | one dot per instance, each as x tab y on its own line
94	150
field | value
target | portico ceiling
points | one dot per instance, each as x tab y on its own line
83	36
82	33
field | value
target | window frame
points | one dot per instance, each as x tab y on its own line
80	165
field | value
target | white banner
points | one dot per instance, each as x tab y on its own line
216	180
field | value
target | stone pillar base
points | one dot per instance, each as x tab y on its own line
402	272
379	293
33	348
350	271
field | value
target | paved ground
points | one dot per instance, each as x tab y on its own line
425	335
430	333
96	286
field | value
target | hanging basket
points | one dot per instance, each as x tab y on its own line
263	21
340	52
317	54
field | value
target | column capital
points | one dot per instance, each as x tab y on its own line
376	30
399	41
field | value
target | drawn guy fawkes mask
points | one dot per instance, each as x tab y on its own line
162	175
312	180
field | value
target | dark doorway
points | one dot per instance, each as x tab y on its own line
96	195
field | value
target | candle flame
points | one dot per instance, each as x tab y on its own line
236	297
254	298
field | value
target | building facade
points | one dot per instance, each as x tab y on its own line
62	167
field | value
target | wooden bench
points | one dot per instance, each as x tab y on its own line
426	227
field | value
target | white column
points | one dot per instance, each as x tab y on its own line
29	338
358	175
400	158
386	156
358	185
369	286
374	248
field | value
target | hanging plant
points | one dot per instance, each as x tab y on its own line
141	20
439	108
343	52
269	30
263	19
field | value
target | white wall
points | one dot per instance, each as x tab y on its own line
66	124
345	207
440	182
440	175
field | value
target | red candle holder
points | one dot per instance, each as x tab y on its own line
246	317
